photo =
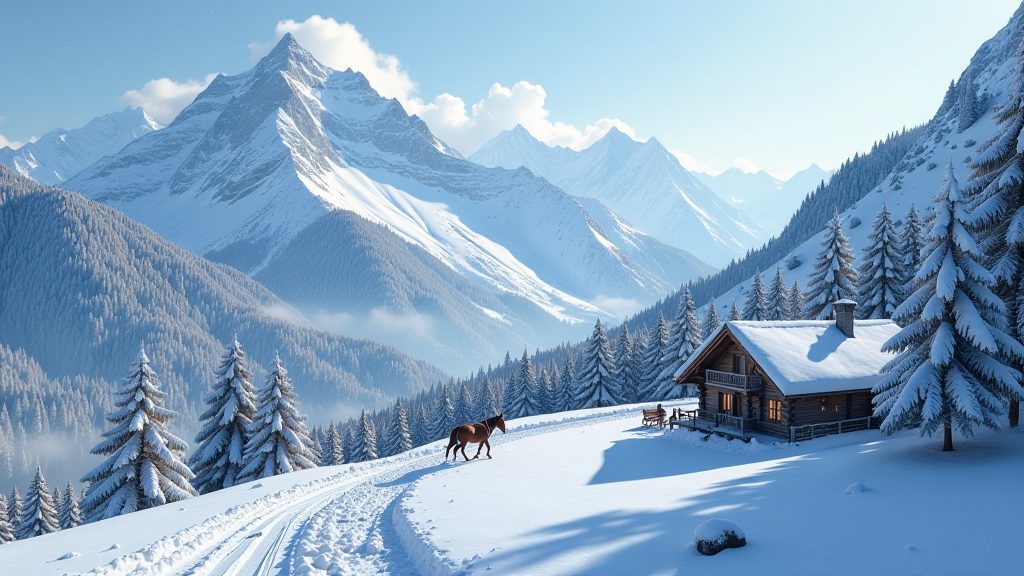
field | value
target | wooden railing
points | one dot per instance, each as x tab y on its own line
738	423
812	431
743	382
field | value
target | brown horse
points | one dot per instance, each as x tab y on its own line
477	434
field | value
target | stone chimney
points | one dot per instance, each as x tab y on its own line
843	311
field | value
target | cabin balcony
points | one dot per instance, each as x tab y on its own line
740	382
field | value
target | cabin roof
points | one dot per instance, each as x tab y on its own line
811	356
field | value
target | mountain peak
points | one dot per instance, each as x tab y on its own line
285	54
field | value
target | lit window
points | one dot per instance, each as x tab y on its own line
823	401
775	410
726	402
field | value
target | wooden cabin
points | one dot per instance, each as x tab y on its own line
793	379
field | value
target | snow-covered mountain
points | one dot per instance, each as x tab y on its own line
917	177
59	155
259	158
641	182
773	200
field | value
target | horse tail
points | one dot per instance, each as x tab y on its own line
453	439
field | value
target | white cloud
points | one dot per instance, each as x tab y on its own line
342	46
164	98
746	165
694	165
620	307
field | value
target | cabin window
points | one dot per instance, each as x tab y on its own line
739	364
775	410
827	405
726	403
823	401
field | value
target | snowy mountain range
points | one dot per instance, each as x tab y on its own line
773	200
59	155
259	158
917	177
641	182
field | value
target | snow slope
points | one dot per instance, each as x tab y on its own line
917	178
773	200
259	157
641	182
583	492
59	155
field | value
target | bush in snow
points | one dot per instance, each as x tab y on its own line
716	534
144	467
854	222
950	371
278	439
793	262
231	405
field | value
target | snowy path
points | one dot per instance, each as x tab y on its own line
336	520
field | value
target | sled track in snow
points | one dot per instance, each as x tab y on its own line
343	518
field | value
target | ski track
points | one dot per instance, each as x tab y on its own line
339	525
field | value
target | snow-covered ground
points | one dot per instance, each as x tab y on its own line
587	492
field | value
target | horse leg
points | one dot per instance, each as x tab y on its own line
479	447
466	458
488	448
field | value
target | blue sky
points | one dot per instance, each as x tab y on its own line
773	85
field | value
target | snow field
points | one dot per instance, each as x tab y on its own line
613	498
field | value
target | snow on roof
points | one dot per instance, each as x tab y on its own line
812	356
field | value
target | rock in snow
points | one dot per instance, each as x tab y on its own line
716	535
855	488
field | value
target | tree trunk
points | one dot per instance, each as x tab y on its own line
1014	413
947	438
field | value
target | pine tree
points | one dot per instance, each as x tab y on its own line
528	386
948	100
711	320
278	438
796	301
488	404
333	449
624	365
597	383
463	405
231	404
756	307
548	403
778	298
734	313
443	419
14	507
881	273
365	448
515	397
70	516
684	338
967	104
911	243
39	516
419	426
143	468
834	277
657	345
950	370
58	502
6	529
567	386
398	438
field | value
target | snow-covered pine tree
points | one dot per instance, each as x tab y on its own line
14	507
231	404
641	340
711	319
144	466
657	344
997	191
950	371
796	301
317	449
597	385
948	100
778	298
911	243
567	386
684	338
734	312
463	405
278	438
443	419
398	437
58	502
419	426
333	451
528	386
6	530
967	104
365	448
834	277
70	516
39	516
488	400
546	389
514	398
756	307
624	364
881	274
